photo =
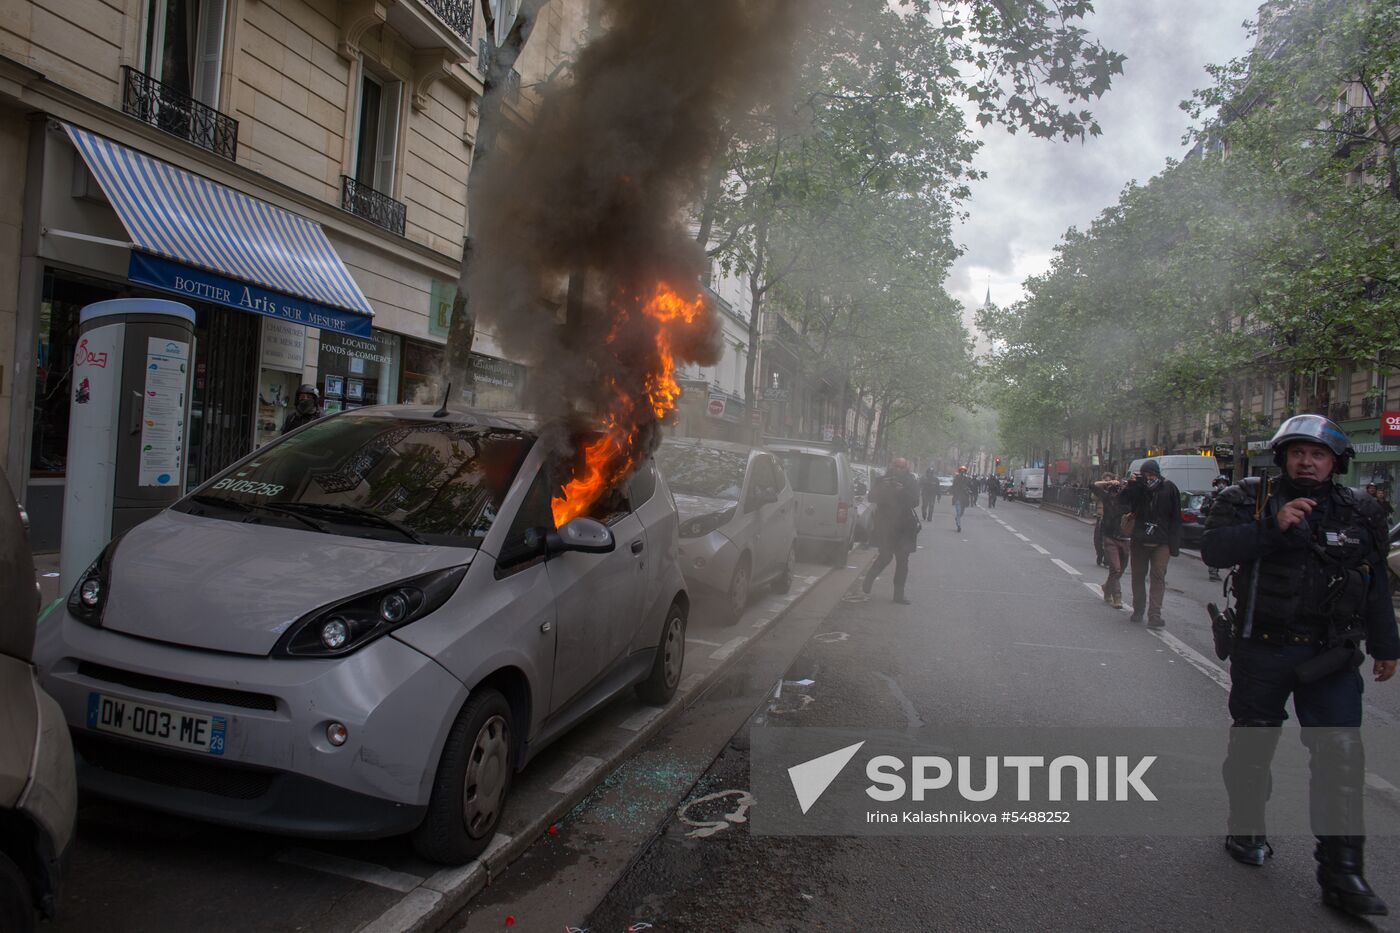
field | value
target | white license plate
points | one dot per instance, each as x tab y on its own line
159	724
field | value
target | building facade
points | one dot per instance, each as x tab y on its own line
294	170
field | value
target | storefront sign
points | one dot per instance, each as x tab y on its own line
358	371
213	288
1390	428
440	307
1061	466
163	411
283	346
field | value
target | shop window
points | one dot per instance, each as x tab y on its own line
358	371
184	44
418	382
377	133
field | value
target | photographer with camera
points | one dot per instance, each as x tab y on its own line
1155	530
1310	587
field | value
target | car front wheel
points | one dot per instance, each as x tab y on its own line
473	780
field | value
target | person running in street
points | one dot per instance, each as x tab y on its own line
1109	532
928	491
896	526
962	493
1156	506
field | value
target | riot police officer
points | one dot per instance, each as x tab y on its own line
1309	587
1217	486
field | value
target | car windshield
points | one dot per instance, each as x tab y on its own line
432	482
703	471
812	473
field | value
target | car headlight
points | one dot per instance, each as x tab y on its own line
89	595
350	624
702	525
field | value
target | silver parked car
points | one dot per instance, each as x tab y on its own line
364	629
38	799
822	480
738	519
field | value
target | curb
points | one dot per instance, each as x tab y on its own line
441	895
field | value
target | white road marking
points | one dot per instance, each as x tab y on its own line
701	641
1065	567
582	770
690	682
639	720
1030	644
1023	537
728	648
1008	528
1095	588
367	872
1193	657
1039	548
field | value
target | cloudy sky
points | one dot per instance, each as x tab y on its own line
1037	188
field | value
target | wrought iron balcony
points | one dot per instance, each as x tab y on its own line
160	105
374	206
1349	127
1371	406
457	14
1339	411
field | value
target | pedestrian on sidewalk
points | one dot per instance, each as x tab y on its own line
1156	538
1305	545
895	531
961	494
928	491
1113	541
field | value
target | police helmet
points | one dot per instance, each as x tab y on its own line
307	388
1221	480
1314	429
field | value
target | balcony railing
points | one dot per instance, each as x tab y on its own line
1371	407
1339	411
1349	126
457	14
374	206
160	105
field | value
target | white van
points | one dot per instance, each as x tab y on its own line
1190	472
1028	484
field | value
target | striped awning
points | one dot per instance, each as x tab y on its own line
197	238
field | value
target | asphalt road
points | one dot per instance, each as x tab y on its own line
1003	631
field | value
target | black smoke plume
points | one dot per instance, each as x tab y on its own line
599	188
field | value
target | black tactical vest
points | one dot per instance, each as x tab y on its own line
1316	588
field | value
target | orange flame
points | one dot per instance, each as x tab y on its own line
608	460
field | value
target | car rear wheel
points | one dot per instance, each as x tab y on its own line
473	780
782	583
737	598
665	675
16	898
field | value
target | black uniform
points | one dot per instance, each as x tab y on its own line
1321	590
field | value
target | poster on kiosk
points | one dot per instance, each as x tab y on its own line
127	432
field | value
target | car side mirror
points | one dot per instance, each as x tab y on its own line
585	535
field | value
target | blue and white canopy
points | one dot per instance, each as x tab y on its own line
205	241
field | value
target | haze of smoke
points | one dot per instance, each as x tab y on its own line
601	183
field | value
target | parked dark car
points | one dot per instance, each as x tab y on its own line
1194	508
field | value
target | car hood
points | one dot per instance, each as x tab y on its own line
688	507
228	586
